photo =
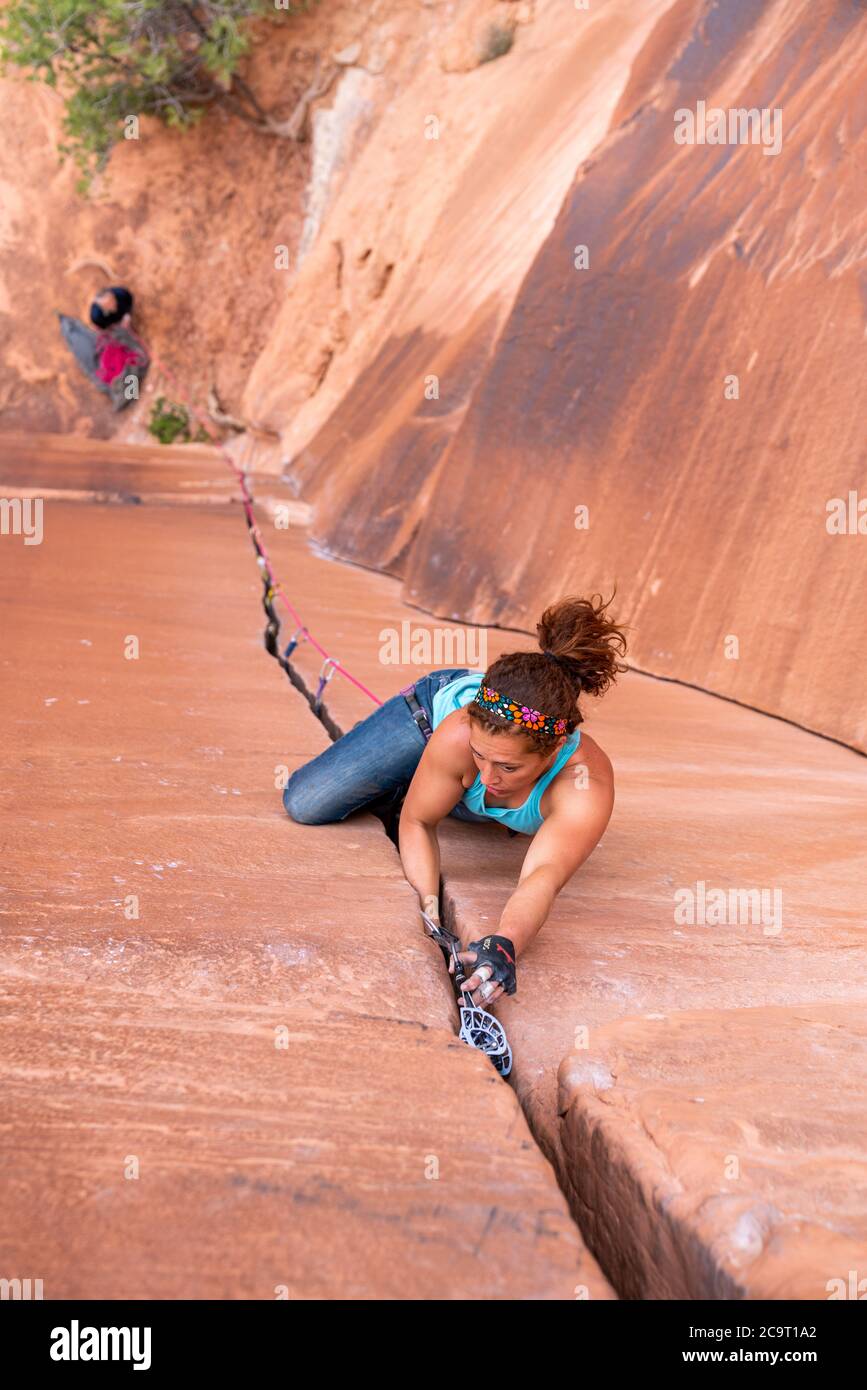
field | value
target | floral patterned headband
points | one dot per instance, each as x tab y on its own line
495	703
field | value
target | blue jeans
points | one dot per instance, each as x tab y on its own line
373	762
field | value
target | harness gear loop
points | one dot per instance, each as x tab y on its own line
417	712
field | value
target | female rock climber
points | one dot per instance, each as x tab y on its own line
503	748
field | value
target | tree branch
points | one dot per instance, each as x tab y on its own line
295	128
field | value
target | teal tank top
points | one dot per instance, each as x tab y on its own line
526	818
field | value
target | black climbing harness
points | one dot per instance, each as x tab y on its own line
479	1029
417	712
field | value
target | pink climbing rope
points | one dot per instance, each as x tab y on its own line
264	558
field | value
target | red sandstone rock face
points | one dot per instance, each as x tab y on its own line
708	1122
450	389
604	388
557	389
607	391
158	1142
709	1128
685	1115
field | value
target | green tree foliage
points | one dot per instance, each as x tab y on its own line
118	59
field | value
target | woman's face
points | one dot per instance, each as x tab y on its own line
506	763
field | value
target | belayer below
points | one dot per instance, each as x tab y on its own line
110	355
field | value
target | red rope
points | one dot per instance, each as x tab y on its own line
265	559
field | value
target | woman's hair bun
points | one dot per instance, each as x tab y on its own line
585	641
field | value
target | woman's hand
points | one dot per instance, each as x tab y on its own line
480	986
495	973
497	949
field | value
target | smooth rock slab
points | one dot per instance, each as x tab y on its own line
147	1044
257	1169
707	791
46	464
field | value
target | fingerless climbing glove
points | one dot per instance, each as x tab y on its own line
499	953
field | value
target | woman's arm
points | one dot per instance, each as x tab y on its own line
420	856
435	789
568	836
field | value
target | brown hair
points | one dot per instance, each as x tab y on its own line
579	645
